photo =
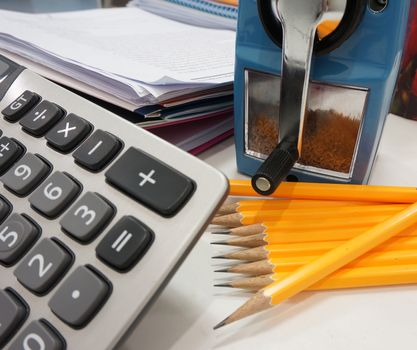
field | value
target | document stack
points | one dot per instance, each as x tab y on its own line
153	70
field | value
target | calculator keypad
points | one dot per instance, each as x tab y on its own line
38	335
41	118
43	266
55	194
17	234
80	297
20	106
87	217
13	313
26	174
68	133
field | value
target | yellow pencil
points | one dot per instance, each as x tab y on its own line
291	263
283	204
333	192
289	226
309	249
313	272
342	279
258	216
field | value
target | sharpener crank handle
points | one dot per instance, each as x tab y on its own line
299	20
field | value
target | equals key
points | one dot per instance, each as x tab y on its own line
98	151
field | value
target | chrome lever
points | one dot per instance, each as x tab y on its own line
299	20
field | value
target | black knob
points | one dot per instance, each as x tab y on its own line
275	168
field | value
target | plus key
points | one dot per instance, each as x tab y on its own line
151	182
10	151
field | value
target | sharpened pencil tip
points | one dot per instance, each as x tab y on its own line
219	257
222	270
220	243
221	232
221	324
226	285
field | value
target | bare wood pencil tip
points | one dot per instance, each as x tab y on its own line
221	324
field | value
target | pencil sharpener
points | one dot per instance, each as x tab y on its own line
353	75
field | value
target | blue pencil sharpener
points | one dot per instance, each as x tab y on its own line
352	77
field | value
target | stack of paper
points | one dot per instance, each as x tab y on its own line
134	59
208	13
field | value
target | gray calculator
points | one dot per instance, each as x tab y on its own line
96	214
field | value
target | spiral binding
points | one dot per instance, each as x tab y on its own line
209	7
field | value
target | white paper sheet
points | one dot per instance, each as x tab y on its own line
130	43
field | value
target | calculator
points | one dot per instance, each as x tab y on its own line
96	214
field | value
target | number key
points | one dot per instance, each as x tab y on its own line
87	217
43	266
17	234
38	335
26	174
55	194
13	313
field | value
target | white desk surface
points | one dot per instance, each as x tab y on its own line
366	319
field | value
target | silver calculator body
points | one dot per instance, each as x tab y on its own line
130	291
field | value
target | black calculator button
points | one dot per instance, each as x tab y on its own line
87	217
13	313
151	182
5	208
125	243
54	195
43	266
80	297
99	150
40	119
26	174
38	335
10	151
68	133
20	106
17	234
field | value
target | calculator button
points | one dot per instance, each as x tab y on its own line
54	195
26	174
87	217
68	133
99	150
38	335
20	106
151	182
17	234
43	266
80	297
5	209
10	151
13	313
40	119
125	243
